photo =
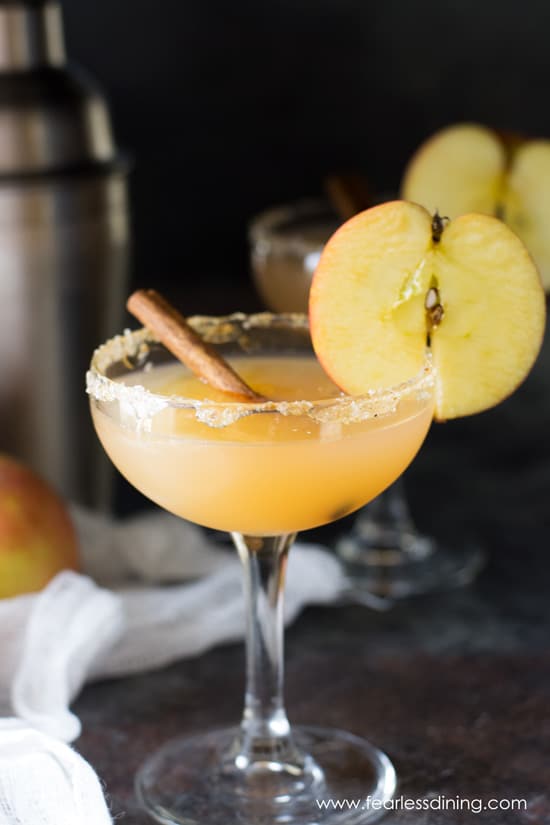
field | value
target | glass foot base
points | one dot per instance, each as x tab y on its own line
185	783
423	566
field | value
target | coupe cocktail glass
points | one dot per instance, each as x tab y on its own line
262	472
383	553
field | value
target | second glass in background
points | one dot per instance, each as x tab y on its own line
383	553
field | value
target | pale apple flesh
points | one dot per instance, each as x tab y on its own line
469	168
458	170
526	207
359	306
37	538
494	315
379	280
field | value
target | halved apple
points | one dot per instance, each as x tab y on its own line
469	168
393	277
458	170
526	201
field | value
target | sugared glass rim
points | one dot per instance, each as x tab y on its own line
267	226
144	404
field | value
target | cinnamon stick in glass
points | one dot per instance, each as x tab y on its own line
171	328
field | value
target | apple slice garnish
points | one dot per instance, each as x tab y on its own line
469	168
393	278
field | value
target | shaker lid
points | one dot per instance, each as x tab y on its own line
52	118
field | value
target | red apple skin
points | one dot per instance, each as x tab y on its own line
37	537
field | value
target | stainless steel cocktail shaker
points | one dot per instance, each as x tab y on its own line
64	241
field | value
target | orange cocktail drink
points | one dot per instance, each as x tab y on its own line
269	472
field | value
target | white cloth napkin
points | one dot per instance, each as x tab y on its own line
44	782
109	623
115	619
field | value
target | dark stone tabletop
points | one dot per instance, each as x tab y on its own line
455	687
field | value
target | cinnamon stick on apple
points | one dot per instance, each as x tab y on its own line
171	328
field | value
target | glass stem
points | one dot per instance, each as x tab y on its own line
265	730
390	510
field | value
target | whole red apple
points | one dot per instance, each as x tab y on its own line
37	538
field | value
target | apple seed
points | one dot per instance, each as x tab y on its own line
433	305
438	225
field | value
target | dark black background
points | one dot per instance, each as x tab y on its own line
229	107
